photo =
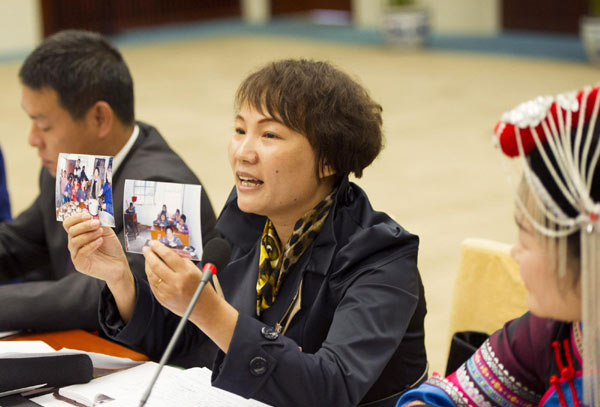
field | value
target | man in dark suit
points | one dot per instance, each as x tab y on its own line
78	92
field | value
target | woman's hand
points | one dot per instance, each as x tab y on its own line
97	252
174	280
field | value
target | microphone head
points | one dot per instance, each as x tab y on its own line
217	251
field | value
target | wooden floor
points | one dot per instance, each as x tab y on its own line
439	176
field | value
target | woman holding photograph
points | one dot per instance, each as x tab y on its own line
322	302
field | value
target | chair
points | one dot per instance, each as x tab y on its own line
488	290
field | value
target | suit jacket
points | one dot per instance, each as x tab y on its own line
358	321
34	245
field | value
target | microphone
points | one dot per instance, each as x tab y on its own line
215	256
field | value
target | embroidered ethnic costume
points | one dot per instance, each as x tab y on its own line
530	362
274	263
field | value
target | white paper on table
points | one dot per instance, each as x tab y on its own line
22	348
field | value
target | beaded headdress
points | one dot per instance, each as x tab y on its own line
561	131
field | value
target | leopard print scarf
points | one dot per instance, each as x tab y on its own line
274	263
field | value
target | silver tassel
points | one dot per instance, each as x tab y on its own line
590	285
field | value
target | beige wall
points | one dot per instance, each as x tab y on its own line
447	16
465	16
20	25
367	13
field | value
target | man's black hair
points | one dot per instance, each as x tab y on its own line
83	68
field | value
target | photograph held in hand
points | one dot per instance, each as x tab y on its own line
163	211
84	184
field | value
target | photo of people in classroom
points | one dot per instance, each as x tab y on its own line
163	211
84	183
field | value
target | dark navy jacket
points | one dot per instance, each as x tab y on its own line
357	333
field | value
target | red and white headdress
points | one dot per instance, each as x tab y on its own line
563	127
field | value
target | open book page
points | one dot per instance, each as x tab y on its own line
192	387
183	388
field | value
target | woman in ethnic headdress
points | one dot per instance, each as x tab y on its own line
550	356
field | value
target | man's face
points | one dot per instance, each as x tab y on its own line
53	130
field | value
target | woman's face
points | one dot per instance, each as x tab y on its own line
273	167
548	295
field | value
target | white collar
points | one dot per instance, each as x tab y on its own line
120	156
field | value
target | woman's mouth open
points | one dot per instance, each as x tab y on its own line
249	182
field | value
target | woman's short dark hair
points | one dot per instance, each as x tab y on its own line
83	68
335	113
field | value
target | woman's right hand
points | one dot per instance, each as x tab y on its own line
95	250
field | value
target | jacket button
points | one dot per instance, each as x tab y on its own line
269	333
258	366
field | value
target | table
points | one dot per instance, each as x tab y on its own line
81	340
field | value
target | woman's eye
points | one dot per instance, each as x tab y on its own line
239	130
270	135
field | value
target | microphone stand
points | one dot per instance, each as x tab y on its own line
207	273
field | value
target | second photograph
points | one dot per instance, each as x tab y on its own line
163	211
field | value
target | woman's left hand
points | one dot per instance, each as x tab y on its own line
173	279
